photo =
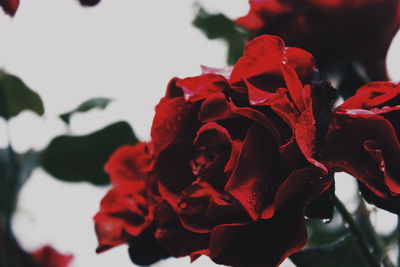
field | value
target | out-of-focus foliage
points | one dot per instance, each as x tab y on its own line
16	97
98	102
344	252
81	158
218	26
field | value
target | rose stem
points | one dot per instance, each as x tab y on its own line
364	222
398	240
356	232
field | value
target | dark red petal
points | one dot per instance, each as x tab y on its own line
262	55
301	186
9	6
300	96
217	107
259	96
211	135
299	116
145	249
202	207
212	146
127	166
120	216
373	95
170	122
349	148
173	90
175	239
258	173
302	62
214	108
392	178
265	243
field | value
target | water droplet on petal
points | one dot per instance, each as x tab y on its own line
326	220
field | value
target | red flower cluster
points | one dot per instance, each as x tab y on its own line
49	257
231	167
332	30
237	161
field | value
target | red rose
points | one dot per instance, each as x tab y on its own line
49	257
333	31
9	6
237	161
363	141
232	164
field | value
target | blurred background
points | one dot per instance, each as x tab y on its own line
125	50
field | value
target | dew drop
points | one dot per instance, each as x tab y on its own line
326	220
382	166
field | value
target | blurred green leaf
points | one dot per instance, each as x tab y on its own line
344	253
16	97
27	162
82	158
15	169
218	26
324	233
98	102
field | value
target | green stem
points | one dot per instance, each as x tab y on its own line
377	246
357	234
398	240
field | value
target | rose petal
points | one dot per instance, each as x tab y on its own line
258	173
265	243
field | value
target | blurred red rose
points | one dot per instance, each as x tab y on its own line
363	140
231	166
89	2
49	257
332	30
9	6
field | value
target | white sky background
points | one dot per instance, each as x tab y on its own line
126	50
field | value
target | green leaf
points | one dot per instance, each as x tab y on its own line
218	26
343	253
82	158
16	97
98	102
